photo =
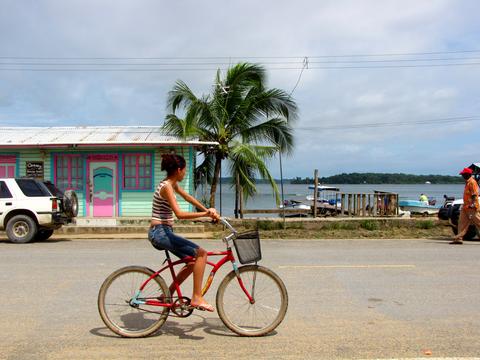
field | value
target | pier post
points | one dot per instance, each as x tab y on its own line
315	193
349	204
364	200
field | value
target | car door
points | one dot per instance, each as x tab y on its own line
5	201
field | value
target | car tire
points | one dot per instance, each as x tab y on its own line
21	229
70	203
43	234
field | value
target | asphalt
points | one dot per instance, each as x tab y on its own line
348	299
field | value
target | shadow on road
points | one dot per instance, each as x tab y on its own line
6	241
182	330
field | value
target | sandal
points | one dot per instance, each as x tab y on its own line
203	307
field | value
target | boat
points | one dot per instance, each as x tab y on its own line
418	207
292	205
325	195
328	202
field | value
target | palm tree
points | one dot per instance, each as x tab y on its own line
250	123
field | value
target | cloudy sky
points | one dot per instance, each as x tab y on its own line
386	86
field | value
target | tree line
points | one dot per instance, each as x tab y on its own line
380	178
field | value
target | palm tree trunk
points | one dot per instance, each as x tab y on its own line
216	179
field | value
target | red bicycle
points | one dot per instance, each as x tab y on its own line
251	300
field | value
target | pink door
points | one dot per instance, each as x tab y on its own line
103	191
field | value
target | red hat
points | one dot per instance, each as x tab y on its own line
466	171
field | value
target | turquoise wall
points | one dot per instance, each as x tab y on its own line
130	202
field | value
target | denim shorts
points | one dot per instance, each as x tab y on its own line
162	237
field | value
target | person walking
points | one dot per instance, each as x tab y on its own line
470	210
161	234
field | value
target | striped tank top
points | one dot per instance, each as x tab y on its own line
161	209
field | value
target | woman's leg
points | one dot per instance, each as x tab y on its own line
182	275
198	271
181	248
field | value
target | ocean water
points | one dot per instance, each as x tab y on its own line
264	198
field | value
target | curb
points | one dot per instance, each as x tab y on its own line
127	236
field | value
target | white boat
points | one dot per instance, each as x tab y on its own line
328	201
325	195
418	207
295	205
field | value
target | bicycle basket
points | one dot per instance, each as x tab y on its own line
247	245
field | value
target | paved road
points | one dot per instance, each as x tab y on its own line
348	299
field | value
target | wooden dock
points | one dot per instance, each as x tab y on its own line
375	204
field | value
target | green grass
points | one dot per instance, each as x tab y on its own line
369	225
425	224
347	225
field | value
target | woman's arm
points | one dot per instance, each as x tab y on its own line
167	193
179	190
210	212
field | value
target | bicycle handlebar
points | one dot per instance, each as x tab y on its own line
227	224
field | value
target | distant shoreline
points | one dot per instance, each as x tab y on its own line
368	178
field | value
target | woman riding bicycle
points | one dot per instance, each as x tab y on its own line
161	233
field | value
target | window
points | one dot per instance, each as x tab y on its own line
69	172
7	166
4	192
32	188
137	172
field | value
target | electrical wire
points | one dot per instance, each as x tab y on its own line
244	57
149	129
131	64
391	124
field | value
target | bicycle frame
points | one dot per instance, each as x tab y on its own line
227	256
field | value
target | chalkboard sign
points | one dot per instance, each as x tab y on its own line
34	169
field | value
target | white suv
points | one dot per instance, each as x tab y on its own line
31	209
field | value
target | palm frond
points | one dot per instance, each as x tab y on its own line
274	131
247	160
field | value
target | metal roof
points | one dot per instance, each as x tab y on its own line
90	135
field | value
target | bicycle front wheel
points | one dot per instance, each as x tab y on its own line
124	317
264	313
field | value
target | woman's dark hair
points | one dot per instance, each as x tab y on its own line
172	162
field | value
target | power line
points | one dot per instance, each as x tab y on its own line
305	66
305	59
149	129
224	69
392	124
243	57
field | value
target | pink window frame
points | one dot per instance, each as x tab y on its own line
137	177
69	171
9	163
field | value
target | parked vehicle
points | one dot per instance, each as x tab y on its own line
31	209
450	213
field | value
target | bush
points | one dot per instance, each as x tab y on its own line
425	224
269	225
369	225
340	225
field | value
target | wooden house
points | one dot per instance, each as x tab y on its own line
113	169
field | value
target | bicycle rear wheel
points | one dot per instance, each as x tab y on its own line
269	306
123	317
